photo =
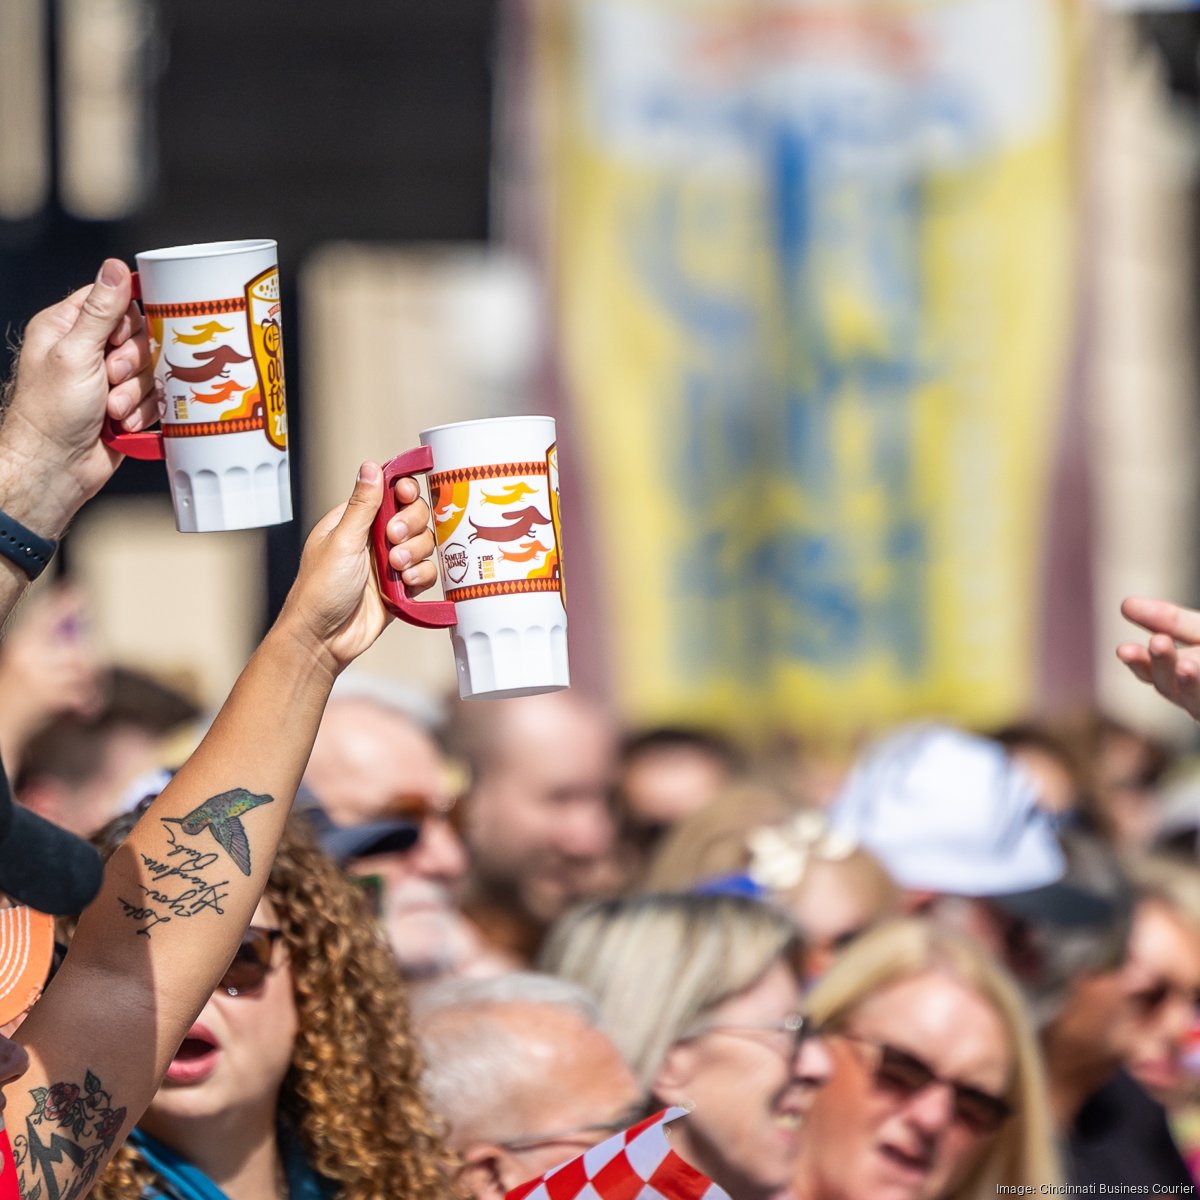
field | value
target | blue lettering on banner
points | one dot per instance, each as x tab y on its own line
769	564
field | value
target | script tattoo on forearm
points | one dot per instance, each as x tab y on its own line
183	882
66	1140
180	886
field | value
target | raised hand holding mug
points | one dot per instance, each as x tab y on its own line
213	314
493	490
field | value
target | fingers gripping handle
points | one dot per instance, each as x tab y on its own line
429	614
146	445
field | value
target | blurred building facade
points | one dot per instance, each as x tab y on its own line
873	369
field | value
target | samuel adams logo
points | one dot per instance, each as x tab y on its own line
455	561
262	315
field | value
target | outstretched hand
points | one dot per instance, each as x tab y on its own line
1170	659
334	603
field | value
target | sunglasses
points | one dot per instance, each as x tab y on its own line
417	807
904	1075
1149	1001
251	963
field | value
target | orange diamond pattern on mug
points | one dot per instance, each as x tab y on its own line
490	471
508	587
211	428
199	308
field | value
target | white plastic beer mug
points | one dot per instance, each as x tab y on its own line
494	495
213	317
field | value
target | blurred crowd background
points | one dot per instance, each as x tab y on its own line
869	328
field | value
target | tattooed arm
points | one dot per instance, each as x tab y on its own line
183	886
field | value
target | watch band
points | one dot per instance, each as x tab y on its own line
23	547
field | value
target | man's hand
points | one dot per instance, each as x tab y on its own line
1170	659
80	361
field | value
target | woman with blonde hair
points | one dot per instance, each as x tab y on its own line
937	1090
300	1077
1162	979
751	840
702	993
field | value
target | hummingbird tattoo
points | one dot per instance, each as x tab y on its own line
221	816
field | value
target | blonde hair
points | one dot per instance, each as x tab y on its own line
1023	1151
656	963
1173	882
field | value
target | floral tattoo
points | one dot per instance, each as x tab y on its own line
67	1138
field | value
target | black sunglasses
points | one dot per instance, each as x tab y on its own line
418	807
252	963
904	1075
1149	1001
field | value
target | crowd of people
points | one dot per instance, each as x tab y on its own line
346	939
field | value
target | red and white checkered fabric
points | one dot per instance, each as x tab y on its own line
9	1190
637	1164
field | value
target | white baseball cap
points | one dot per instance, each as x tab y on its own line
950	812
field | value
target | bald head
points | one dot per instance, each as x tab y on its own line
489	733
539	821
366	755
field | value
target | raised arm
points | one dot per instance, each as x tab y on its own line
1170	658
179	893
80	360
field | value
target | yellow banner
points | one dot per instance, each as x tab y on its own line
815	268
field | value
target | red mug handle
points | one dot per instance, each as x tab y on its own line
428	614
145	444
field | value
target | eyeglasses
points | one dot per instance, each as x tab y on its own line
786	1036
904	1075
252	963
593	1133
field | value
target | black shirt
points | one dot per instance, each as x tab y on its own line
1121	1136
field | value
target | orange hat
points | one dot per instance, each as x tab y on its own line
26	948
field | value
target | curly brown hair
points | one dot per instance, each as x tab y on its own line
352	1091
